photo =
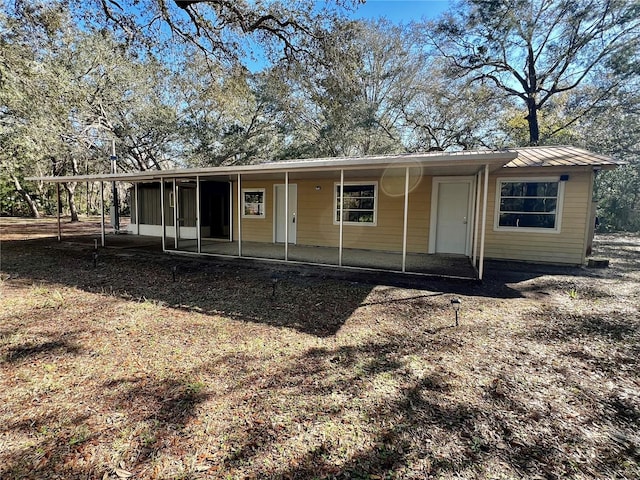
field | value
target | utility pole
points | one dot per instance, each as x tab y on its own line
115	217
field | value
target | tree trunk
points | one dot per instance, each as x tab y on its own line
26	197
532	119
70	187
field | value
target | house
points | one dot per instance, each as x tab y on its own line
390	212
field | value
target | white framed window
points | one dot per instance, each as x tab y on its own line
529	204
253	203
360	203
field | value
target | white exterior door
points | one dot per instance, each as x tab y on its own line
451	212
280	213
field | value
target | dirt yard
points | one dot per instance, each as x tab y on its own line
155	366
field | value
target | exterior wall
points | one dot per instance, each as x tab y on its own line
255	229
566	247
314	216
315	211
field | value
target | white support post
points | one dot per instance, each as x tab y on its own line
484	221
58	205
102	213
406	220
198	235
239	215
175	213
341	217
231	210
476	219
286	216
162	219
136	192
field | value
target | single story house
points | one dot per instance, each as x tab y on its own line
389	212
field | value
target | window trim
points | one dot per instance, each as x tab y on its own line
264	202
559	205
336	194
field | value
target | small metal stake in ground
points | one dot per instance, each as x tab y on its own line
174	269
455	303
95	253
275	278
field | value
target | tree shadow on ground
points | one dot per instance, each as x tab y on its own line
411	429
154	413
57	345
417	423
568	327
416	426
311	300
245	291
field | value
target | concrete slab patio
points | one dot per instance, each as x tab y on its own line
444	266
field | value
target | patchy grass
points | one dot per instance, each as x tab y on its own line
118	371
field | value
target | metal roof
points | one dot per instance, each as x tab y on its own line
440	163
469	161
559	156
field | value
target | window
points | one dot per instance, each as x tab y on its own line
532	204
253	203
360	201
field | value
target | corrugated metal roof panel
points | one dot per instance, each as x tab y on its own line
559	156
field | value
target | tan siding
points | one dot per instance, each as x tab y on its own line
568	246
315	220
315	225
255	229
315	217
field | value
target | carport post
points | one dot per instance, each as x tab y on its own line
162	219
198	236
341	215
175	213
406	219
102	213
286	216
484	221
239	215
58	211
135	185
476	219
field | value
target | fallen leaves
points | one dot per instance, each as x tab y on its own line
155	379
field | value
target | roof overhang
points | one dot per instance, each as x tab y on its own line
432	163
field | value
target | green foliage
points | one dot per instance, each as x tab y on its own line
10	201
619	199
72	80
350	100
534	50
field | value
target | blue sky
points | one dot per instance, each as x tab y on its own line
402	11
396	11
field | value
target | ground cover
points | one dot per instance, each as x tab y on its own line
247	370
